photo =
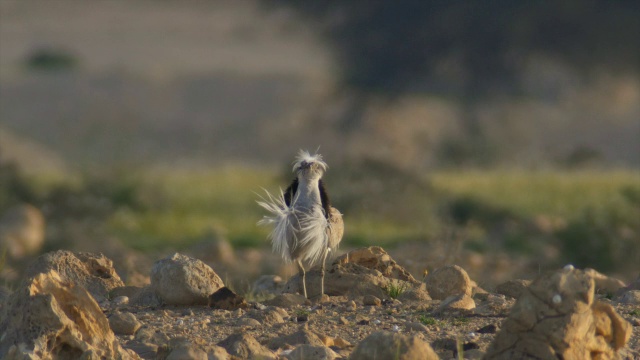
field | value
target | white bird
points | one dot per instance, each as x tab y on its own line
305	225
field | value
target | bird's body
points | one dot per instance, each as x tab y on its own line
305	225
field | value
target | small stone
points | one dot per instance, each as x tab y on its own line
416	326
343	321
120	301
352	305
370	300
124	323
455	303
248	322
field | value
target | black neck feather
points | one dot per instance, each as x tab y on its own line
324	197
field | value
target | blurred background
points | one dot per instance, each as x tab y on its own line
502	136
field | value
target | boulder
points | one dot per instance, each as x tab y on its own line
22	230
513	288
557	317
51	318
387	345
366	271
245	346
94	272
182	280
447	281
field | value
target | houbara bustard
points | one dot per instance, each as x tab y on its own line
305	225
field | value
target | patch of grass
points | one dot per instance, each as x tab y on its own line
395	288
430	321
635	312
459	321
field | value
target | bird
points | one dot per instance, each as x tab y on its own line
306	228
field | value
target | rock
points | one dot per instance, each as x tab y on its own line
456	303
630	297
268	284
635	285
301	336
22	230
447	281
146	297
386	345
51	318
604	283
226	299
149	335
187	352
494	305
416	326
217	353
557	317
93	272
310	352
249	322
375	258
370	300
417	294
360	272
288	300
120	301
513	288
181	280
143	350
269	316
123	323
245	347
341	343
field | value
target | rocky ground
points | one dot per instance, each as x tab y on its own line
73	305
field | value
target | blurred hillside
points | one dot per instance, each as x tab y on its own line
195	83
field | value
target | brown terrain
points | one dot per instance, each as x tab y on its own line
75	305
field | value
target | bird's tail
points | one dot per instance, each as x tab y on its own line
282	218
287	222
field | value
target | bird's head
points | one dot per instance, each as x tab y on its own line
307	166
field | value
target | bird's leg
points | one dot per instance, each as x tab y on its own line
303	276
324	259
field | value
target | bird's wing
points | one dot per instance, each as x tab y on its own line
336	228
290	193
324	199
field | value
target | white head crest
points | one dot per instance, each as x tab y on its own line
304	157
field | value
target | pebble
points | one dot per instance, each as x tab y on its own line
370	300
